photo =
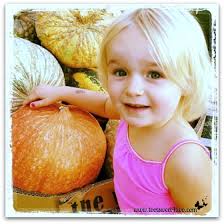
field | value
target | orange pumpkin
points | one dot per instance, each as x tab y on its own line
110	133
56	148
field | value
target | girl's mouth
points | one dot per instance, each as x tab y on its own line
136	107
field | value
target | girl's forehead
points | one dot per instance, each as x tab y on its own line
130	43
132	30
131	37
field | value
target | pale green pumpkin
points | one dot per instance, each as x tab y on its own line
32	65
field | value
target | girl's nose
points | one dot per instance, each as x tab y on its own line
135	86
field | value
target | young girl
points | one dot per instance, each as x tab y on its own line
155	66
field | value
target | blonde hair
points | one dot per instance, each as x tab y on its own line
180	48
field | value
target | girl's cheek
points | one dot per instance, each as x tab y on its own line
113	88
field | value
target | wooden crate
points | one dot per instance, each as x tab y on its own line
97	197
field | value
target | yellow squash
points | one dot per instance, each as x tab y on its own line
87	82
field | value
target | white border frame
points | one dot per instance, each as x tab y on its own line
10	10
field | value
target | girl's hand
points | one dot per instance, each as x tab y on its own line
43	95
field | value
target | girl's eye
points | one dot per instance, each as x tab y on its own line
120	73
154	75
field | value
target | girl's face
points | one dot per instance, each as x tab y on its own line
137	86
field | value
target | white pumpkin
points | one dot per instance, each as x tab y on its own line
33	65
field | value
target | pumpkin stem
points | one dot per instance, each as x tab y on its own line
91	18
62	107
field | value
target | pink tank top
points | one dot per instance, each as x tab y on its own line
139	184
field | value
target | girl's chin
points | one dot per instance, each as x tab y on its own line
144	123
139	122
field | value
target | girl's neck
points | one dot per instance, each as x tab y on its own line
160	130
153	143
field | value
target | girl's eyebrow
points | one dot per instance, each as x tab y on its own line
113	61
147	63
151	63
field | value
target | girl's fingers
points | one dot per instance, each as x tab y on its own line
40	103
30	98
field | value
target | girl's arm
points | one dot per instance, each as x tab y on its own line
95	102
188	176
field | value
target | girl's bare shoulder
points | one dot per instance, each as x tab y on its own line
187	157
188	175
189	162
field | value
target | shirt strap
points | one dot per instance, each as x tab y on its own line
177	146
